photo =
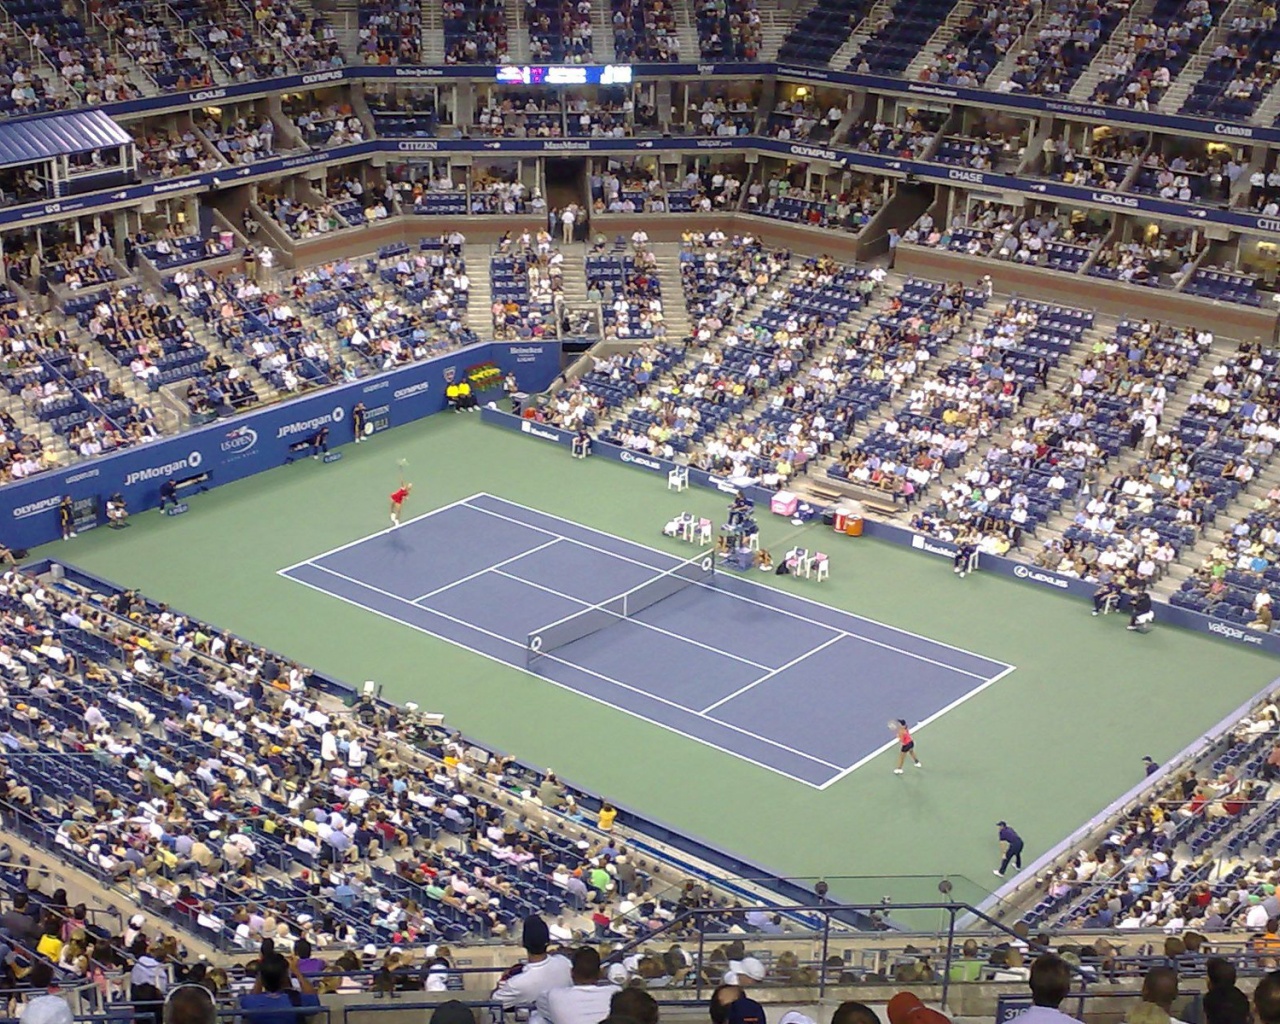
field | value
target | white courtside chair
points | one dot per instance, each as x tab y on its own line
822	565
678	479
704	531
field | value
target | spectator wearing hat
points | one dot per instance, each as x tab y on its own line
587	1000
1149	765
747	971
1012	843
729	1005
524	984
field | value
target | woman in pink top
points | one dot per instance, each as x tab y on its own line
906	745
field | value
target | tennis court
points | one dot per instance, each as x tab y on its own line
782	681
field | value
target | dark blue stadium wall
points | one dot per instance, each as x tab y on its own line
240	446
1030	574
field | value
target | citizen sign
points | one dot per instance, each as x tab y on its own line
1023	572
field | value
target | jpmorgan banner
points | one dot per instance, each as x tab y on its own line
241	446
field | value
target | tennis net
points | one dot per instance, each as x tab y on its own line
581	624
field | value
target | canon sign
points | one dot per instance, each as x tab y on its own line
1024	572
1233	129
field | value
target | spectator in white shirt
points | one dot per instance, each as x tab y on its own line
1050	983
525	984
587	1000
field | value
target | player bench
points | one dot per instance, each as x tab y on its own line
871	499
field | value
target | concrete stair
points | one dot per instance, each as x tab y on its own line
517	34
1269	109
774	26
674	311
432	33
863	31
1001	72
940	40
480	296
344	17
687	35
1120	39
1177	93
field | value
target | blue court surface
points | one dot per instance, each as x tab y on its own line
784	682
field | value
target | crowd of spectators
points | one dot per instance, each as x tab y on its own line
390	33
1069	36
909	137
645	31
163	153
241	140
850	210
475	31
1141	66
987	33
983	229
721	115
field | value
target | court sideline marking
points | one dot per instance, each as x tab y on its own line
842	773
580	668
762	604
563	686
743	579
647	625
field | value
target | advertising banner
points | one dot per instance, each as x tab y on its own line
241	446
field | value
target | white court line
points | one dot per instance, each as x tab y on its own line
826	626
580	668
646	625
476	575
742	579
390	529
915	728
763	604
563	686
773	672
583	543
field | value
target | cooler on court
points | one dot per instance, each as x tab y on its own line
784	503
